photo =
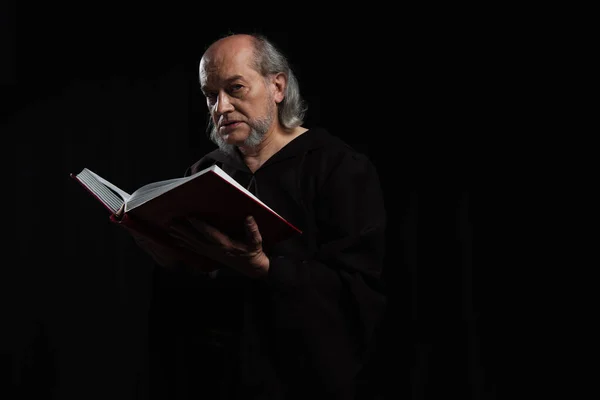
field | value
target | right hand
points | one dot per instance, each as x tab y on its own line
162	255
174	257
168	256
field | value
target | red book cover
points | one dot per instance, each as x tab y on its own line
210	196
217	202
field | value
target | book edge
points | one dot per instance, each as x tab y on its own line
94	194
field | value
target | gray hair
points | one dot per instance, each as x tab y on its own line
269	60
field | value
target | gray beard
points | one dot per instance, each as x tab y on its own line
259	128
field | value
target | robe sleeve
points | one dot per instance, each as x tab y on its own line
336	298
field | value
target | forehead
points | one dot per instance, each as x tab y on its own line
221	64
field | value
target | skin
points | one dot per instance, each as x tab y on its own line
243	107
236	93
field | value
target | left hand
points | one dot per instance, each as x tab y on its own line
247	257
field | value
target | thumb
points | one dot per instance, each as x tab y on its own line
253	232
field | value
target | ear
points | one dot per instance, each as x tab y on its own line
279	82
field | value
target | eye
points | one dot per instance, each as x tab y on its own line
236	88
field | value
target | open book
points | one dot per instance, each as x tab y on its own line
210	195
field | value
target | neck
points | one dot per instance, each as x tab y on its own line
273	141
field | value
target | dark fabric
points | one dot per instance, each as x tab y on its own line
307	329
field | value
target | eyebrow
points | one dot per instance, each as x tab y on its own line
227	81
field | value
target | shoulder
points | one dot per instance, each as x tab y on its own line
330	156
334	148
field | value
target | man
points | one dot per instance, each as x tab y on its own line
295	320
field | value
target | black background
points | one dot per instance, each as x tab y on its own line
114	89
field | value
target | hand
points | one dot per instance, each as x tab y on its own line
247	256
162	255
169	255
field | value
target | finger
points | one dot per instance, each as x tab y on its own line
253	232
189	241
198	244
210	232
120	211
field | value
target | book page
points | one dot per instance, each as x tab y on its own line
124	195
155	189
111	196
152	190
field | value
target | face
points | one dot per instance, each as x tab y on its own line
242	104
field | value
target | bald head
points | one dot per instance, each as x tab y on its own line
230	43
232	50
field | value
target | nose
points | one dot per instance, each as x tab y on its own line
223	104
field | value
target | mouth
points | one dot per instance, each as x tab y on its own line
229	125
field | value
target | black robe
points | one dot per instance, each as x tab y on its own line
308	328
